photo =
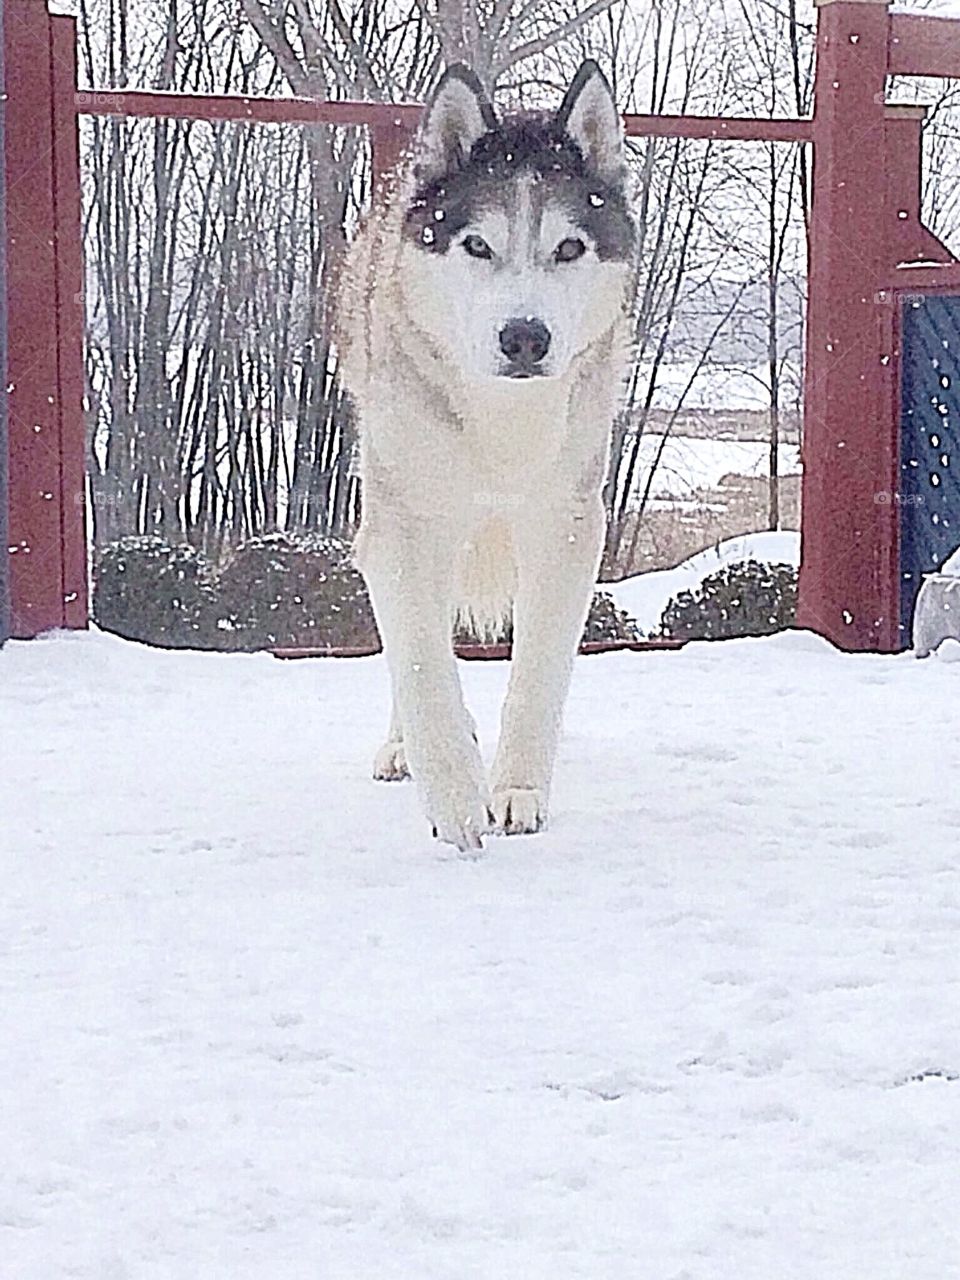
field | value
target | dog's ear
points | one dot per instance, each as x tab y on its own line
456	116
590	117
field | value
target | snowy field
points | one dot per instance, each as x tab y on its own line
698	386
688	464
255	1025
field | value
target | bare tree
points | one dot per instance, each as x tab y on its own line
214	406
215	411
774	75
681	67
389	52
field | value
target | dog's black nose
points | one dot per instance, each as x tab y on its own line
525	342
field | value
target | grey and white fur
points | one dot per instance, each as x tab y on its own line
484	328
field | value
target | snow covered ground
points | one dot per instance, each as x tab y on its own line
255	1025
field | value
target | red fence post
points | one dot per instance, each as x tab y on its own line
47	536
36	550
847	590
387	143
68	245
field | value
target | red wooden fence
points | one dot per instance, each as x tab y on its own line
864	223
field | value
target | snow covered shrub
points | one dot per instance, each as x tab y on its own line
606	621
747	599
145	588
273	592
277	591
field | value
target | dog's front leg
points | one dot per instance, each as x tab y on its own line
409	573
557	567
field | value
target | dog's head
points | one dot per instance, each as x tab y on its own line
518	241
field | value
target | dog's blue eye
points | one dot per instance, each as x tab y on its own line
569	250
477	247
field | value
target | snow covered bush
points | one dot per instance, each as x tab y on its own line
606	621
277	591
273	592
746	599
144	588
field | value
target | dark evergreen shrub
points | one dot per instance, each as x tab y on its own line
606	621
746	599
277	591
146	589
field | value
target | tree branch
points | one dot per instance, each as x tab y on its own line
274	38
542	43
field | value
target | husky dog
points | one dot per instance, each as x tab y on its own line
484	328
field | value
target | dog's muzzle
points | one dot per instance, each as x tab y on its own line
524	342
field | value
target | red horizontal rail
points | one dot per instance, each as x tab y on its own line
719	128
923	46
254	110
380	115
486	652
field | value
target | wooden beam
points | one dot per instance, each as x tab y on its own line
908	238
495	652
68	265
35	530
923	46
386	117
732	129
848	582
249	110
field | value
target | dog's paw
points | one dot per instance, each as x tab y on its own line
390	763
464	828
518	810
452	784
